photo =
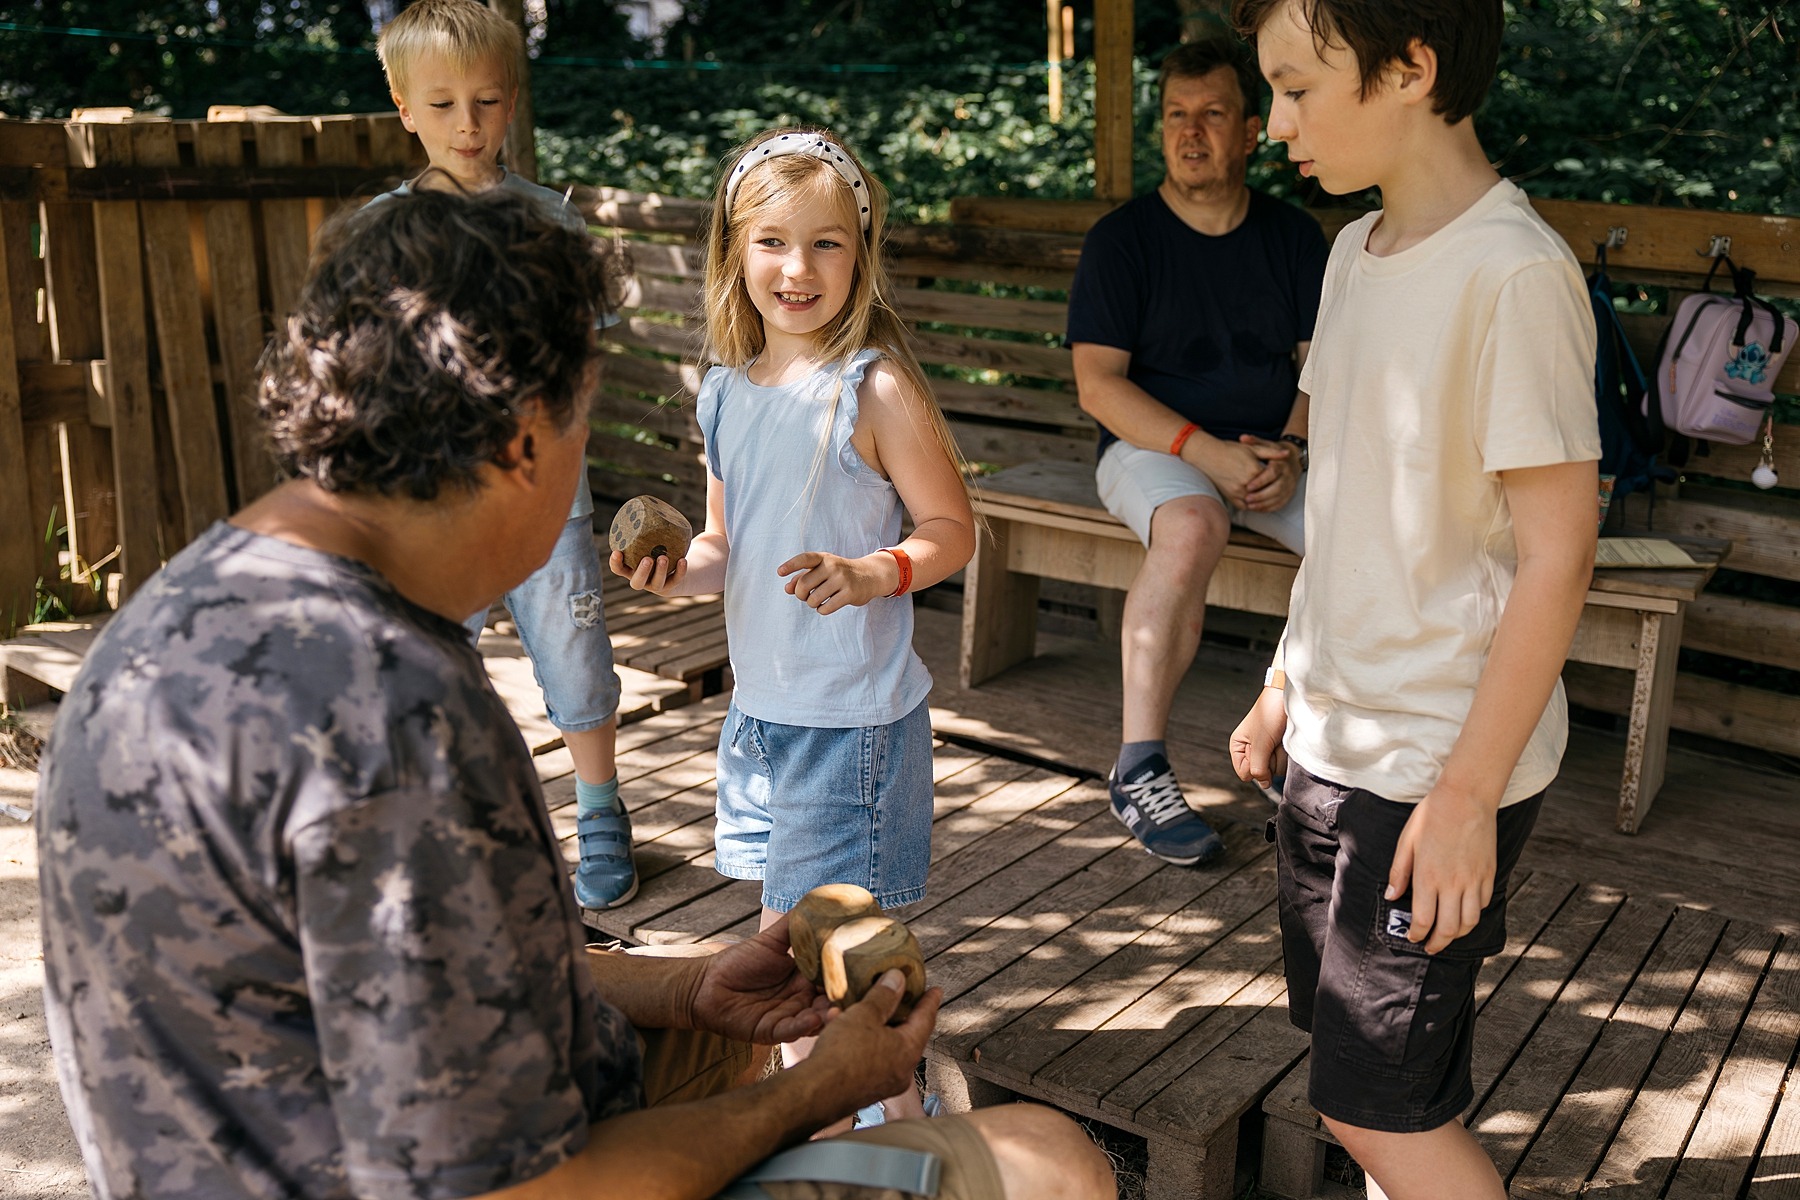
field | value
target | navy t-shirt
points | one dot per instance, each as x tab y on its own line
1210	322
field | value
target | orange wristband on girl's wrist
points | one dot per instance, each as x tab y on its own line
1187	431
904	562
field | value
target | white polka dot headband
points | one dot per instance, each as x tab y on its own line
815	145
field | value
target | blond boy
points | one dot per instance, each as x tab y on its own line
453	68
1450	520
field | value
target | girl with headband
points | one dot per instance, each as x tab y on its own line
821	434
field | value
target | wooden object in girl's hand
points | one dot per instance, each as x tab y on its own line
646	527
859	952
819	912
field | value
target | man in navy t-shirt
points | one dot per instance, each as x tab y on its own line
1191	312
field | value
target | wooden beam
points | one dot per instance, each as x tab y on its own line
1113	87
237	313
18	540
1054	53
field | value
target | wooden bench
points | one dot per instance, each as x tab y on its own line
1605	1025
1046	522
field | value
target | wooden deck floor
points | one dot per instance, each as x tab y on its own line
1638	1036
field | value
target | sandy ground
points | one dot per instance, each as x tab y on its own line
38	1156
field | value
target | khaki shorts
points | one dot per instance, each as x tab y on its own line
682	1065
1133	483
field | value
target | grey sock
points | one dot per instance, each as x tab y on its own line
1132	755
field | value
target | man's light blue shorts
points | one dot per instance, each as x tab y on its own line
1134	483
800	807
557	611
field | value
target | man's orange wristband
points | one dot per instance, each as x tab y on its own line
904	562
1187	431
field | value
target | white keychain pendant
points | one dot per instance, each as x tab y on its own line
1764	476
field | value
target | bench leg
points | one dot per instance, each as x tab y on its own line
1183	1171
961	1091
999	626
1652	697
1293	1162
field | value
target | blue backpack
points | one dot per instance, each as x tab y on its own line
1629	448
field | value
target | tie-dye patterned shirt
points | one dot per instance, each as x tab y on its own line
306	926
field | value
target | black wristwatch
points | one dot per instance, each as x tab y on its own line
1300	443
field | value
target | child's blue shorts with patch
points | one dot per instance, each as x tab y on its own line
801	806
563	629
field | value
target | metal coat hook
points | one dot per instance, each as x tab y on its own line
1615	237
1720	247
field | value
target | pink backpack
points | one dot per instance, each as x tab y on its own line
1720	357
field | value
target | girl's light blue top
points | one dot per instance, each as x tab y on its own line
782	498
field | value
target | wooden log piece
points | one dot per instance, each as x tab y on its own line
856	953
646	527
819	912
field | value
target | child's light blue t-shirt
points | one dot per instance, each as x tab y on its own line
784	497
557	206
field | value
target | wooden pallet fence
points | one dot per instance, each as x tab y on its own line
143	263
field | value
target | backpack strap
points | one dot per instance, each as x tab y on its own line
836	1161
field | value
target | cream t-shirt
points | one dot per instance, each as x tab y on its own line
1432	370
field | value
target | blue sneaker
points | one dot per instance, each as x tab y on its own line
1151	805
606	877
870	1115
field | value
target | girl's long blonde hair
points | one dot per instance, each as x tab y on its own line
734	329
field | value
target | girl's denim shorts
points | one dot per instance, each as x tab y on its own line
800	807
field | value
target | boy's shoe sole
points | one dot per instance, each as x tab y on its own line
630	894
1188	861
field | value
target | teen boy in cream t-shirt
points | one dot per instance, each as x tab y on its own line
1450	514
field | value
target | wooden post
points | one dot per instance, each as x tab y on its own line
1054	55
18	540
181	342
521	139
1113	87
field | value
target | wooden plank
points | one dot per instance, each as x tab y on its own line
981	312
391	145
237	315
1227	1082
72	281
31	143
1756	630
181	342
1659	242
1128	977
1645	1151
118	253
997	444
1731	712
1718	1157
1021	987
1760	527
1002	402
1575	1137
1012	357
1511	1114
285	232
1777	1172
19	549
24	278
975	957
1135	1054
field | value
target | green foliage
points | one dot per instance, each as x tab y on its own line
302	56
1650	102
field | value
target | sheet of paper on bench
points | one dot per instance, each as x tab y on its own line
1640	552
